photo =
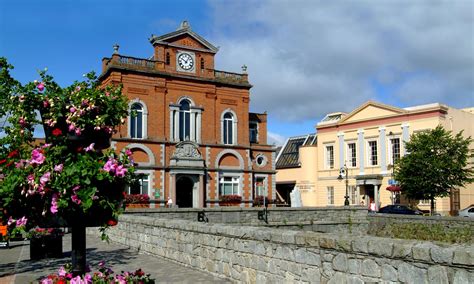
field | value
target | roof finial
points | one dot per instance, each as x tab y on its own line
116	48
184	25
244	69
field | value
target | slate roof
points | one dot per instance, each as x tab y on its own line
289	155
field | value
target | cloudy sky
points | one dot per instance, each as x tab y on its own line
304	58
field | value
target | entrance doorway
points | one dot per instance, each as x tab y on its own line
184	192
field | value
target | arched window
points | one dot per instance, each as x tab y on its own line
184	120
228	128
202	63
168	58
136	121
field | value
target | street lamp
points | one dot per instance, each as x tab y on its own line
344	171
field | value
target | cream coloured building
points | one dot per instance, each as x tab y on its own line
366	141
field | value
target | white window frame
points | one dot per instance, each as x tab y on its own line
258	134
228	126
390	149
144	113
353	195
148	178
370	162
349	157
194	121
330	195
234	122
328	158
265	186
235	180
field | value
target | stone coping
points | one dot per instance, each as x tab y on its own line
242	209
406	250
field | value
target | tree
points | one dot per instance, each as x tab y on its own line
436	163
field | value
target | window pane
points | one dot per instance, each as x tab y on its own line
187	126
133	127
139	125
224	133
230	134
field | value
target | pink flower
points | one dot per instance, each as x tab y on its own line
72	126
54	204
47	281
78	131
120	171
87	278
40	86
45	104
21	222
76	188
22	121
20	164
77	280
58	168
110	166
37	158
72	109
31	179
10	221
76	199
90	147
128	152
45	178
62	271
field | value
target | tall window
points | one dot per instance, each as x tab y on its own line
253	132
330	190
330	157
372	153
141	185
228	185
228	128
260	186
202	63
184	120
352	190
168	58
351	155
136	121
394	150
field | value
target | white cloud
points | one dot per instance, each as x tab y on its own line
275	139
308	58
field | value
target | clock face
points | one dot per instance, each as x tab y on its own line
185	61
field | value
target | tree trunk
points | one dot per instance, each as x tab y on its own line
78	250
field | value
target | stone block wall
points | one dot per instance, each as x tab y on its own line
318	219
265	255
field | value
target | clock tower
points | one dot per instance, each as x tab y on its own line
190	129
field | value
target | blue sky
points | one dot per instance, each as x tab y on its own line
304	58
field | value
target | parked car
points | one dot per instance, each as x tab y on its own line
399	209
467	212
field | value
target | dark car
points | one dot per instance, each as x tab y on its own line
399	209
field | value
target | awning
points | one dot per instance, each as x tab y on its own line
394	188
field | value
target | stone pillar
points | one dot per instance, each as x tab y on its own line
198	128
172	124
405	136
201	192
172	187
383	150
360	141
176	125
193	128
340	135
376	197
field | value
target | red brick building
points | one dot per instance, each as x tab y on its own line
190	128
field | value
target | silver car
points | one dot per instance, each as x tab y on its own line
467	212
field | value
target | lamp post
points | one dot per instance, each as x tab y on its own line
344	171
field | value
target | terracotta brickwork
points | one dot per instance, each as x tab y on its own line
191	130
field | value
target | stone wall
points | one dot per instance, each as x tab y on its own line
265	255
453	229
317	219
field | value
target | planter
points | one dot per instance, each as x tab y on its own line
137	205
46	247
4	244
229	203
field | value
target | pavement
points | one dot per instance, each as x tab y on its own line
16	266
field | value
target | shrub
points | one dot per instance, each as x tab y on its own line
137	199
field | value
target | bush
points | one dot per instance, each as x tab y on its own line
137	199
230	198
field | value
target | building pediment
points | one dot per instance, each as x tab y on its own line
371	110
184	37
187	154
